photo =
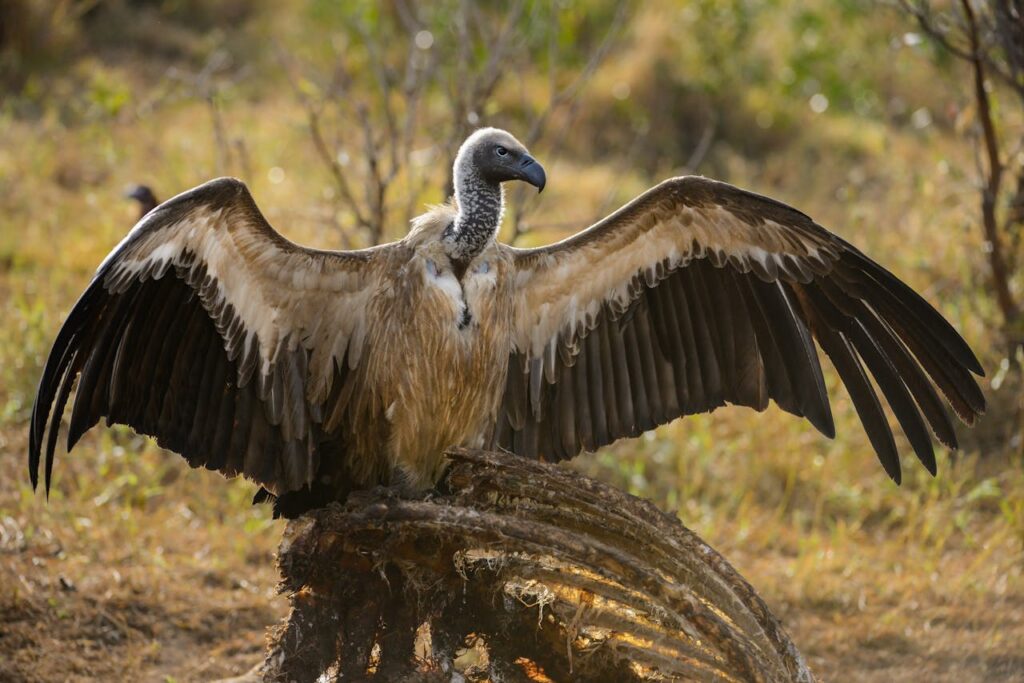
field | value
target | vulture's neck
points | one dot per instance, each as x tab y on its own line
480	206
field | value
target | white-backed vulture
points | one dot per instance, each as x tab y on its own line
316	372
144	196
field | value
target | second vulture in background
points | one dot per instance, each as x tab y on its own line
317	372
144	196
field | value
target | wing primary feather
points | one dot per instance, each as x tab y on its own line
865	401
779	387
62	355
940	328
116	384
913	376
58	412
53	373
59	359
548	435
842	313
816	403
896	394
97	386
296	396
293	463
951	377
903	365
504	435
796	348
550	366
96	348
274	400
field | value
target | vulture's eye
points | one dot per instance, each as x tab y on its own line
500	151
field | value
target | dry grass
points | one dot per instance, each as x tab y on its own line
167	572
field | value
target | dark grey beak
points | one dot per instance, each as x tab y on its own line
532	172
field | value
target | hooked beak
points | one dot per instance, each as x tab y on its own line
532	172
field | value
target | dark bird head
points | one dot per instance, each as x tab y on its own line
496	157
144	196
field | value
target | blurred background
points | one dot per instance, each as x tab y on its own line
898	125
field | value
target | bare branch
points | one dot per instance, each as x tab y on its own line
568	97
702	148
997	260
329	157
941	29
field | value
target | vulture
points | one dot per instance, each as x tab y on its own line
145	198
315	373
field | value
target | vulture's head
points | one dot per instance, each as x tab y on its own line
144	196
496	156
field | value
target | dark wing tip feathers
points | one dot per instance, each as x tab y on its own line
55	381
118	345
865	319
948	335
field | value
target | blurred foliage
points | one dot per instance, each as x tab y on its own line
836	107
987	38
391	90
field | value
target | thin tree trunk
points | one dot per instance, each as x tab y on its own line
990	193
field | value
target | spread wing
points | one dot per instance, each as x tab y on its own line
698	294
210	331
